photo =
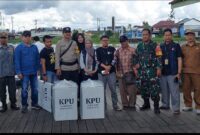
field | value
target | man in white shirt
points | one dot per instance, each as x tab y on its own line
37	42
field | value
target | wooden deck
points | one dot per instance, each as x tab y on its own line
128	121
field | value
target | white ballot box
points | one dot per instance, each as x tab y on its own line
45	95
92	100
65	101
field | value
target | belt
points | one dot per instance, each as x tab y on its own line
69	63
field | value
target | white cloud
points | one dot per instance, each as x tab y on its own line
84	14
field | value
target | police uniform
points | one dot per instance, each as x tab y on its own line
69	62
148	82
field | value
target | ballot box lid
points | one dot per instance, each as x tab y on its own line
65	83
92	83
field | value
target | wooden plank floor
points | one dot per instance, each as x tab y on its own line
126	121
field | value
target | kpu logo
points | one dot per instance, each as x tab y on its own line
66	101
92	100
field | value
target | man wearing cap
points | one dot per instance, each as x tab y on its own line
106	69
27	64
147	66
67	57
124	56
191	71
7	73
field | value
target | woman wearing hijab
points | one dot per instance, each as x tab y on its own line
87	62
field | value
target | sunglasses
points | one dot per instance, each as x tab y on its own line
3	37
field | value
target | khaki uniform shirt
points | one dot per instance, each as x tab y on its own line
70	56
191	58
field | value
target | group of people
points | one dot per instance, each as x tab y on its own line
150	68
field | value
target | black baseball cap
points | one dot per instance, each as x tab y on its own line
66	30
26	33
123	38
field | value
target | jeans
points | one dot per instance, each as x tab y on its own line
51	76
34	89
111	80
169	87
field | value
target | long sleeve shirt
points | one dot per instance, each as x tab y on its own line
27	59
7	67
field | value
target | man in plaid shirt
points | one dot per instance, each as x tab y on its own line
124	56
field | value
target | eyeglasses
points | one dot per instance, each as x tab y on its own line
3	37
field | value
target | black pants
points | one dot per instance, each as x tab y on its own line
10	82
84	77
70	76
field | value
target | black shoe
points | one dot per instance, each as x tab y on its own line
146	105
132	108
4	108
156	106
157	111
125	107
14	107
24	109
164	108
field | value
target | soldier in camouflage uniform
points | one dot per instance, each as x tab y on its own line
148	70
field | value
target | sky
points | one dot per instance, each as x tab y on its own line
84	13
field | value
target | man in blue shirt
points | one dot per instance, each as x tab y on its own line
172	66
27	63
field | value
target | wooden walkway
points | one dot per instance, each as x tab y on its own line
126	121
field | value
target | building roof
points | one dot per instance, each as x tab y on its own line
186	20
137	26
175	1
165	24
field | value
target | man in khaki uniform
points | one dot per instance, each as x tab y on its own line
191	71
67	62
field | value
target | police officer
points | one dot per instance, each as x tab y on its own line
148	70
67	57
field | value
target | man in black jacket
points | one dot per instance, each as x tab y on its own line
106	69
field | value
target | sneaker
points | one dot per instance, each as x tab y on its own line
177	112
117	108
198	111
164	108
35	107
186	109
24	109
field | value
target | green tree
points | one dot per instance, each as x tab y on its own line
146	25
74	34
109	33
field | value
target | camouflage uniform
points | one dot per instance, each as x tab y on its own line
148	82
